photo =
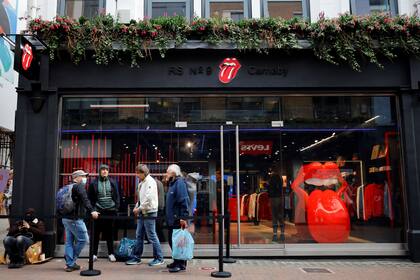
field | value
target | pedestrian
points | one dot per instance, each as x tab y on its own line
146	209
8	195
75	228
161	210
23	234
177	208
104	197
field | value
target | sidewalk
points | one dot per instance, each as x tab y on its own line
352	269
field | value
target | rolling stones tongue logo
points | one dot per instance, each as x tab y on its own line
228	70
27	57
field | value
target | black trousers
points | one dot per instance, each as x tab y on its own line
277	212
106	227
160	226
170	231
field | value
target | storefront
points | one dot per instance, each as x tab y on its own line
275	132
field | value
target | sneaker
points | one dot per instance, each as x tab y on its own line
177	268
156	262
171	265
133	262
112	258
12	265
19	265
95	258
76	266
71	268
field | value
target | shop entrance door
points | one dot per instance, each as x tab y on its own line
252	185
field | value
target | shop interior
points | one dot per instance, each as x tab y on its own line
292	151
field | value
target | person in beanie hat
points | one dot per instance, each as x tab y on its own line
104	197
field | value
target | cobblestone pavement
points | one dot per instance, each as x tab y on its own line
295	269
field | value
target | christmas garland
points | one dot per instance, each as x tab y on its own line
348	39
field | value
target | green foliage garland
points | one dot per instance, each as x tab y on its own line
347	39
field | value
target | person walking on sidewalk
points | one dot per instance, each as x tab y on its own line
177	206
146	209
104	197
75	228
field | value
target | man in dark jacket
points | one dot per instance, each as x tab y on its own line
104	197
21	235
76	232
177	203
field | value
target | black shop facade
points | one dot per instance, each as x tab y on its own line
343	144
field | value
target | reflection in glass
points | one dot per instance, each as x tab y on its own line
77	8
232	10
160	9
284	9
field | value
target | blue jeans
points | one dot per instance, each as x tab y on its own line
148	226
76	239
16	247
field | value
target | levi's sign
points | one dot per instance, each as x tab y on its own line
255	147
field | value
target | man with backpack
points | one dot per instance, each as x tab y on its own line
104	196
73	211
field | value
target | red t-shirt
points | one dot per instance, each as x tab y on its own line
374	201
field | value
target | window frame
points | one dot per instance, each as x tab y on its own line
305	7
246	3
148	7
393	4
61	6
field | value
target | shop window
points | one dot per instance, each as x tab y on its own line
160	8
77	8
233	9
334	158
367	7
286	9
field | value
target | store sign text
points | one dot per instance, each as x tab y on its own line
227	71
192	71
256	147
268	71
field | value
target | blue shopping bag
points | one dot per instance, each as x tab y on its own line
125	249
182	245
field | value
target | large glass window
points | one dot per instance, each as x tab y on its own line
77	8
366	7
312	169
159	8
284	8
233	9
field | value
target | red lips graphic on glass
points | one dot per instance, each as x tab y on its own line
228	70
326	213
27	57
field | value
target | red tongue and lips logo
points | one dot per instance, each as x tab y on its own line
327	214
228	70
27	57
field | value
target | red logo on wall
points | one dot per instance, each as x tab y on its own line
228	70
27	57
254	148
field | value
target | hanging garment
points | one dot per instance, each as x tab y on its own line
252	206
360	203
242	204
374	201
263	207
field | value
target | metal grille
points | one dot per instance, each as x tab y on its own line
7	144
315	270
